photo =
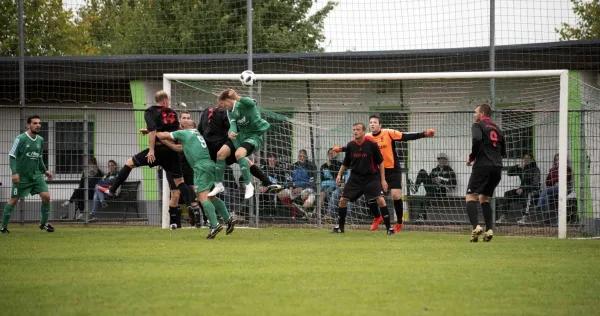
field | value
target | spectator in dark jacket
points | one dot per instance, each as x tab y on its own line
329	171
529	174
301	182
437	184
106	181
94	176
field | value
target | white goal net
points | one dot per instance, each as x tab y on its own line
309	114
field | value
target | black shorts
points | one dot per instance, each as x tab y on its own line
484	180
166	158
214	147
358	185
393	177
188	175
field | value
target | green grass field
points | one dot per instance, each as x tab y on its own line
150	271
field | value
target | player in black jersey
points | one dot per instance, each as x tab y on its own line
367	176
486	158
214	127
159	118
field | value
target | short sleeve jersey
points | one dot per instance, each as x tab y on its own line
386	140
247	117
194	145
363	158
161	119
28	153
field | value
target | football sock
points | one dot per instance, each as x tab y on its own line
220	207
6	217
245	169
486	209
178	216
45	212
260	175
342	212
374	209
209	208
399	208
121	177
472	212
385	213
220	170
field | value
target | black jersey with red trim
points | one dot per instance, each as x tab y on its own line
363	158
488	144
161	119
214	125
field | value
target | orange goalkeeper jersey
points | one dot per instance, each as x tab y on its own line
386	140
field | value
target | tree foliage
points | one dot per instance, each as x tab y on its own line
588	24
201	26
50	30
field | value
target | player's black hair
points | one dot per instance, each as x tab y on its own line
485	109
29	119
271	154
114	162
93	161
184	112
303	151
375	116
530	155
364	128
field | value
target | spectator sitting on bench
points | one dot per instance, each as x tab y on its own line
106	182
437	183
329	172
94	175
275	171
529	174
550	193
301	186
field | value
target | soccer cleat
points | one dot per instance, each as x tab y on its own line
213	232
47	227
79	216
475	233
488	235
249	191
337	230
230	226
398	227
4	230
391	231
217	189
274	188
376	222
173	226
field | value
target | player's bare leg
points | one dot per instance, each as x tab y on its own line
45	212
240	156
222	154
472	201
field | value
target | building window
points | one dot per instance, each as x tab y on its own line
518	130
63	151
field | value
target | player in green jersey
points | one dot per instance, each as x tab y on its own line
197	154
246	130
27	169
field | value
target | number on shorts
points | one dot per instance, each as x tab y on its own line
202	142
494	138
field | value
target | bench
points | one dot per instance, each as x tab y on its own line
439	210
124	203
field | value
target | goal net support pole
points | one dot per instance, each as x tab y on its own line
563	110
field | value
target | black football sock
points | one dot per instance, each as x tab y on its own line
178	216
185	193
374	209
260	175
486	209
386	217
342	212
172	215
399	208
472	212
121	177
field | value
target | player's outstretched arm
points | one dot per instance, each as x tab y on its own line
397	135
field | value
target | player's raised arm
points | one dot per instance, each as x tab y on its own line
400	136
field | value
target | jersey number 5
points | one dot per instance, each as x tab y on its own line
168	118
494	138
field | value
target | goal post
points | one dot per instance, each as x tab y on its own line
328	103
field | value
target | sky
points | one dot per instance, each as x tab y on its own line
375	25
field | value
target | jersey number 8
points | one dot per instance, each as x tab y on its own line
202	142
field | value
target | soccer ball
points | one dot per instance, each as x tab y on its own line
247	78
173	226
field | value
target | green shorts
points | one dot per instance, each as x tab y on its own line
33	187
204	175
254	139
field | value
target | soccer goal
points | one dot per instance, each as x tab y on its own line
311	113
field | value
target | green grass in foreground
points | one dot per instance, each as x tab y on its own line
150	271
